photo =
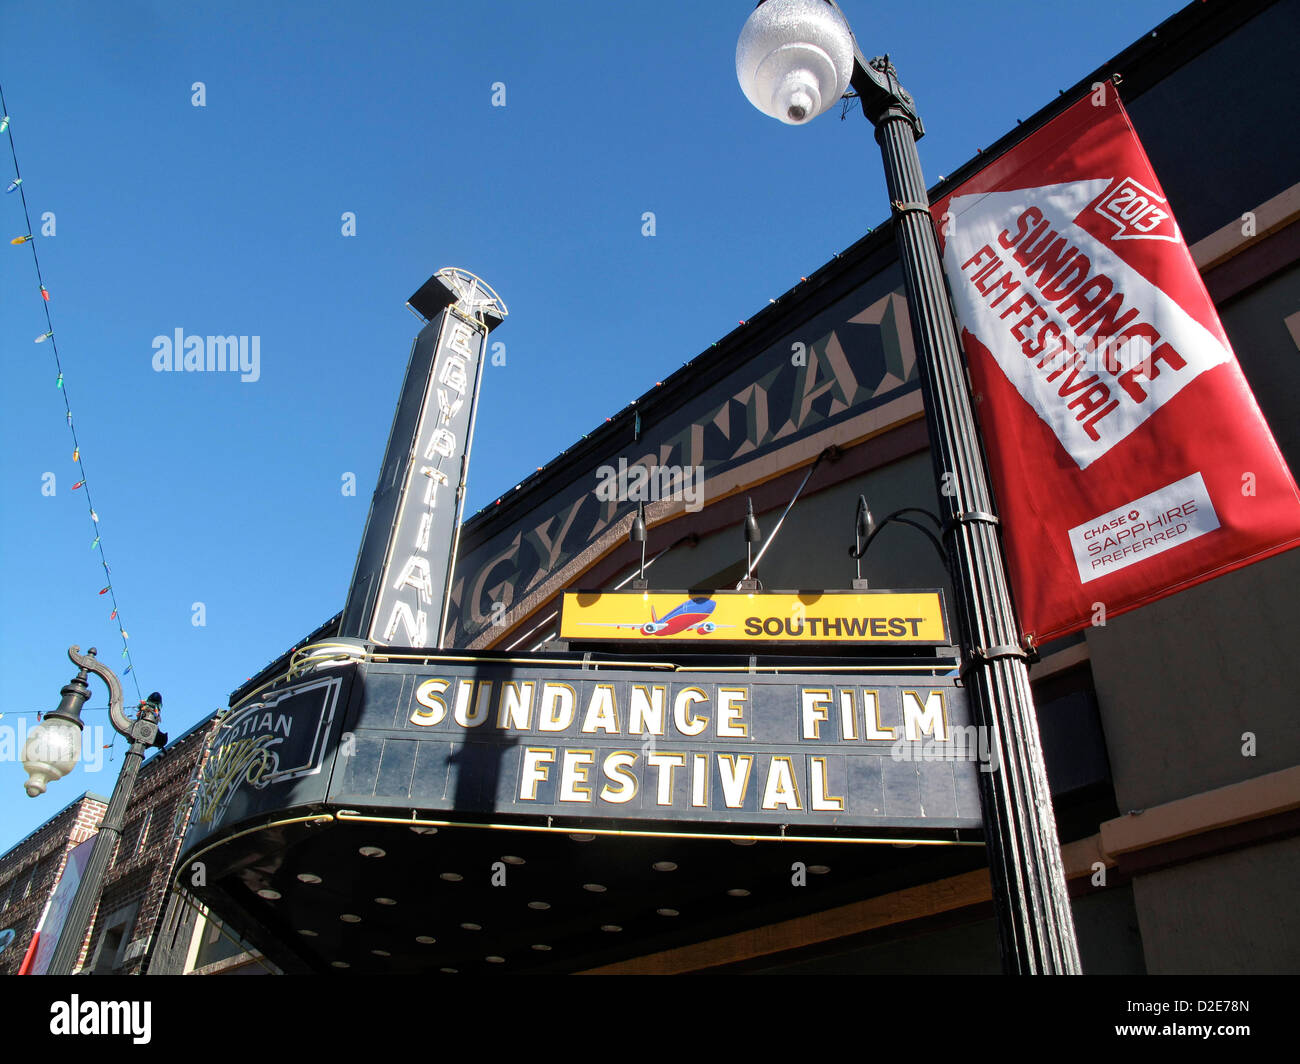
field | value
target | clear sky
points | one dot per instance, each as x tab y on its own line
222	500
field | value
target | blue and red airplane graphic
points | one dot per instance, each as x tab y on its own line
693	614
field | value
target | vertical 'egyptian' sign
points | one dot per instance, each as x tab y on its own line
399	588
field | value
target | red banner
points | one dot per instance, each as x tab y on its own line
1128	455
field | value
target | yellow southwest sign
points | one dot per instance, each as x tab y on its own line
760	617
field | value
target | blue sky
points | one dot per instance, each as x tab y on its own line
228	219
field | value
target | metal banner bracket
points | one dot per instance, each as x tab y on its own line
970	517
981	656
899	207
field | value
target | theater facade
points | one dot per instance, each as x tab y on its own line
652	755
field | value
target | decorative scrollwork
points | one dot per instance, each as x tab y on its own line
90	663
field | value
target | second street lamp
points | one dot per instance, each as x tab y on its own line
52	750
795	58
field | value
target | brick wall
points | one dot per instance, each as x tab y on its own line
30	870
136	887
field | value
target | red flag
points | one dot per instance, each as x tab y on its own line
1129	457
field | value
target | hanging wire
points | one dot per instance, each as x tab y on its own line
83	483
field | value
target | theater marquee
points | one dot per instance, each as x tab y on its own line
703	748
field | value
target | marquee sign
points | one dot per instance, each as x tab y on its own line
399	590
262	748
494	739
810	617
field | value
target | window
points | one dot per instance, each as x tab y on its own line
117	932
142	835
109	946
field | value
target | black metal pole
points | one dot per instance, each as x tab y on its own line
1035	925
143	733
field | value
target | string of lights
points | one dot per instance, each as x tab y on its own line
28	238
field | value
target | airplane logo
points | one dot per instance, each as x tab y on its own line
691	615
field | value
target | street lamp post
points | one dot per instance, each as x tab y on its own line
795	59
52	751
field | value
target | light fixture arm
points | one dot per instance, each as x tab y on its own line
90	663
898	518
831	452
